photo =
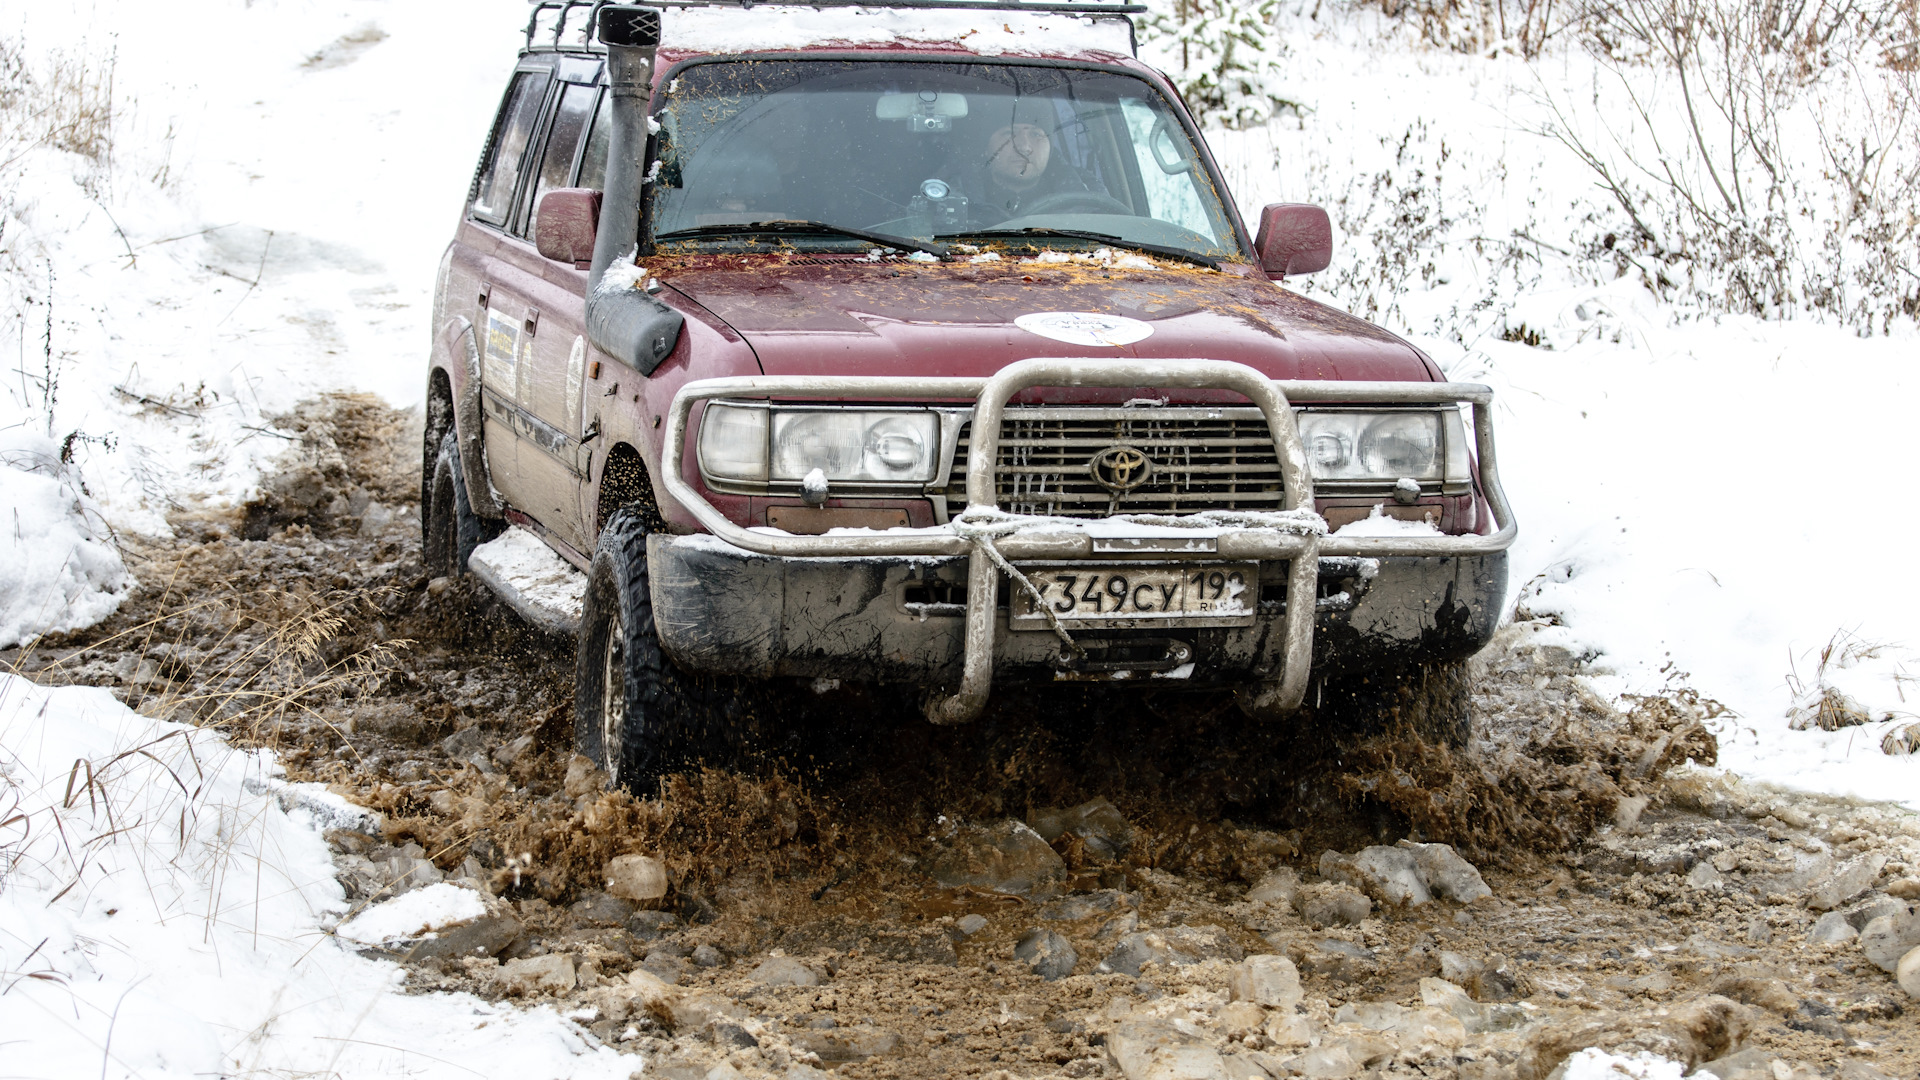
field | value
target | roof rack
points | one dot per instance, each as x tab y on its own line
548	23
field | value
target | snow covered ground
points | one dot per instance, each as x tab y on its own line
162	915
1705	500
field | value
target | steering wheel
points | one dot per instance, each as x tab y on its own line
1076	202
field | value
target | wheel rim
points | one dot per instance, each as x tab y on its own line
613	696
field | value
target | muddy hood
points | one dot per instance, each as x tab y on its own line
921	319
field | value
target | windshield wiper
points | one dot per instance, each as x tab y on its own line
1095	237
904	243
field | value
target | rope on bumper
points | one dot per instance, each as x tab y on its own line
981	526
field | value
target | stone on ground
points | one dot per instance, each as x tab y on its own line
1389	875
1266	980
1175	945
1008	857
848	1043
1277	887
1446	874
1103	829
1831	928
549	974
1332	904
639	878
1047	953
484	936
1887	939
784	971
1846	881
1907	973
1156	1050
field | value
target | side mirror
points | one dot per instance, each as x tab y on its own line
564	225
1295	238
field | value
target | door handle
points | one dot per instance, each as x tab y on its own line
486	291
533	320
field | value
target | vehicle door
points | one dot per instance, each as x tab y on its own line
499	317
544	298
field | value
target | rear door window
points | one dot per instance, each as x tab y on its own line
493	192
563	141
593	162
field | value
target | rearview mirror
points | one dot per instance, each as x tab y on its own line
564	225
1295	238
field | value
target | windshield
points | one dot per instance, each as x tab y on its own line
925	150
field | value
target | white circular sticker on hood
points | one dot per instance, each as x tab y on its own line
1085	327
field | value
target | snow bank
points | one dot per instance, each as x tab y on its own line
161	921
1704	499
58	569
1599	1065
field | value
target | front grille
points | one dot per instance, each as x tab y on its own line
1202	459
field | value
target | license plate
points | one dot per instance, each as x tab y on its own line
1135	594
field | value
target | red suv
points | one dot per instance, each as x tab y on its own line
922	344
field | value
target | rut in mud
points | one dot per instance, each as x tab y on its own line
854	900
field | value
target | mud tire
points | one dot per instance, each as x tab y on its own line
661	718
451	530
1432	700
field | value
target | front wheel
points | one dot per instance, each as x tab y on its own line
452	530
636	714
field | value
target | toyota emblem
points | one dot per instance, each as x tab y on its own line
1120	469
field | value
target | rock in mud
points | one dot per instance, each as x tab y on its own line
1176	945
1446	874
1342	961
707	956
1475	1017
1389	875
601	909
1907	973
1084	906
489	935
640	878
971	924
848	1043
1268	980
1699	1031
1278	887
1156	1050
1831	929
1847	881
784	971
1332	904
549	974
1050	955
1240	1018
1864	912
1105	832
1005	858
1888	938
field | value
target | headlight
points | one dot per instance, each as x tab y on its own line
1384	446
755	444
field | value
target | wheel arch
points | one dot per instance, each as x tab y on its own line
625	481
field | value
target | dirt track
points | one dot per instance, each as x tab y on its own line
1683	931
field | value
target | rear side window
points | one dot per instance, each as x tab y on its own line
493	194
593	163
569	123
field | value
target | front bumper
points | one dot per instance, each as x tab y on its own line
880	619
775	603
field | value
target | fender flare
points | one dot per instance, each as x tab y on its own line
467	420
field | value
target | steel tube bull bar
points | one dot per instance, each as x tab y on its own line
1277	695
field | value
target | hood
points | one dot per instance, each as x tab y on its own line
832	317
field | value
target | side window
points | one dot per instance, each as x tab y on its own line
493	193
563	138
593	163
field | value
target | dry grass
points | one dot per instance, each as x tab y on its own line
58	99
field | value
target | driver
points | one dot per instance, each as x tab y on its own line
1021	169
